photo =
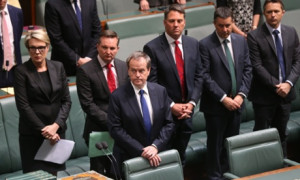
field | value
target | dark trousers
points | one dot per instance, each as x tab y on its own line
218	128
275	115
101	165
181	137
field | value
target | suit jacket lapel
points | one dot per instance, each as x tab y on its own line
220	52
34	75
285	41
53	78
120	71
269	38
133	103
14	21
235	51
166	49
101	76
71	12
154	102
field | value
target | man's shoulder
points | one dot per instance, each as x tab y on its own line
189	39
155	86
120	62
156	40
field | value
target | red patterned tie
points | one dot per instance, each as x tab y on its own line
110	78
8	61
180	68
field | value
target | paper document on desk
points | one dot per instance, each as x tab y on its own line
57	153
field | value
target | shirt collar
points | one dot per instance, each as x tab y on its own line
5	9
171	40
103	64
222	39
272	29
137	90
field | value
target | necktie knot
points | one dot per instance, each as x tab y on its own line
176	42
141	92
226	41
75	1
109	66
275	32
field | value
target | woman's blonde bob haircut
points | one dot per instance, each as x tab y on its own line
37	34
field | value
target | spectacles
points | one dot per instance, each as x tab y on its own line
33	49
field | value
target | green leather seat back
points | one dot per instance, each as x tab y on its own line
199	21
10	121
76	123
248	113
254	152
199	16
139	168
198	120
5	164
137	26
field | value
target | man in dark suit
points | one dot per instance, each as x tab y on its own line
177	67
227	76
73	27
139	115
146	4
14	21
275	56
94	87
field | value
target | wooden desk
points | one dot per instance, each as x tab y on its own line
293	173
86	175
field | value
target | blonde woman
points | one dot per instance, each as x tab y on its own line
43	101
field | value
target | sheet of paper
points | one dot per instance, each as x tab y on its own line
57	153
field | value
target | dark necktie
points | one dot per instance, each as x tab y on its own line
78	14
180	68
231	68
146	115
111	82
280	57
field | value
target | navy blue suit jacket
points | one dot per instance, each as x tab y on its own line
16	17
265	64
68	42
216	75
126	125
164	71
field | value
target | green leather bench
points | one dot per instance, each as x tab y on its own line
10	164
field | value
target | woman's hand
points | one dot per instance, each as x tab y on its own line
50	130
54	139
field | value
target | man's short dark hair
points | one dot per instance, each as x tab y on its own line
274	1
108	34
174	7
222	12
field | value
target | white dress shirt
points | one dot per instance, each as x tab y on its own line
147	98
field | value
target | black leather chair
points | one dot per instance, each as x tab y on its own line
254	153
